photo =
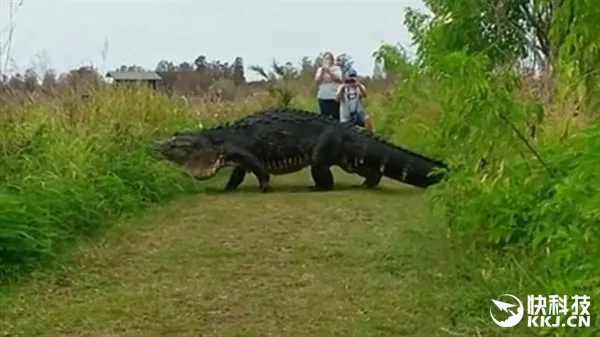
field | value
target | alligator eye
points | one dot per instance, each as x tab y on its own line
180	151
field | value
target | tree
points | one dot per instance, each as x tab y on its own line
506	31
553	36
165	66
279	79
30	80
238	71
132	68
49	80
392	61
345	62
185	66
16	82
307	70
201	63
378	71
318	61
83	77
222	70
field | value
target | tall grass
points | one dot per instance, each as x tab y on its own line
524	210
71	165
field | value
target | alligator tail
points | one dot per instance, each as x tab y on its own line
413	169
395	162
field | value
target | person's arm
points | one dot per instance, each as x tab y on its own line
338	94
319	75
363	90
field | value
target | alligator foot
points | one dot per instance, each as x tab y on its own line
322	177
319	188
364	185
229	188
237	177
372	177
265	188
369	185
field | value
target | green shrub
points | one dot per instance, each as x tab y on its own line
509	197
73	165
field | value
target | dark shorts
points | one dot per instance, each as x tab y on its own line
330	107
358	118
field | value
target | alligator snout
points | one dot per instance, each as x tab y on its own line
156	150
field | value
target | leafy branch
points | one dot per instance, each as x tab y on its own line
7	45
278	79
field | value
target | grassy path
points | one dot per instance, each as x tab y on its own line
290	263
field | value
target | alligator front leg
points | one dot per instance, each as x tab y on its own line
247	161
322	177
236	178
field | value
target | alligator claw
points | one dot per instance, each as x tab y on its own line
266	189
367	186
319	189
363	185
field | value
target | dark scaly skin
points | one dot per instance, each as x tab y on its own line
286	140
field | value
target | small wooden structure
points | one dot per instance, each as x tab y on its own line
152	78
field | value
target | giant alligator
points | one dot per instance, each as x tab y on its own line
284	140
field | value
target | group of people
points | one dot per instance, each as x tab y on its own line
340	94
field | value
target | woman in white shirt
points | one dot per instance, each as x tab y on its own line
328	78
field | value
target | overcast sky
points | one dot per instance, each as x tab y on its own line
63	34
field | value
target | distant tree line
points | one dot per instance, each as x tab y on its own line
189	78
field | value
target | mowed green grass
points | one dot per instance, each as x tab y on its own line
349	262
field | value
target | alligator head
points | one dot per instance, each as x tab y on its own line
193	152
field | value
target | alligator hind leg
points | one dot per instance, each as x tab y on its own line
236	178
372	177
322	177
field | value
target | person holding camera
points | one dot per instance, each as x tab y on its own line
350	95
329	77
